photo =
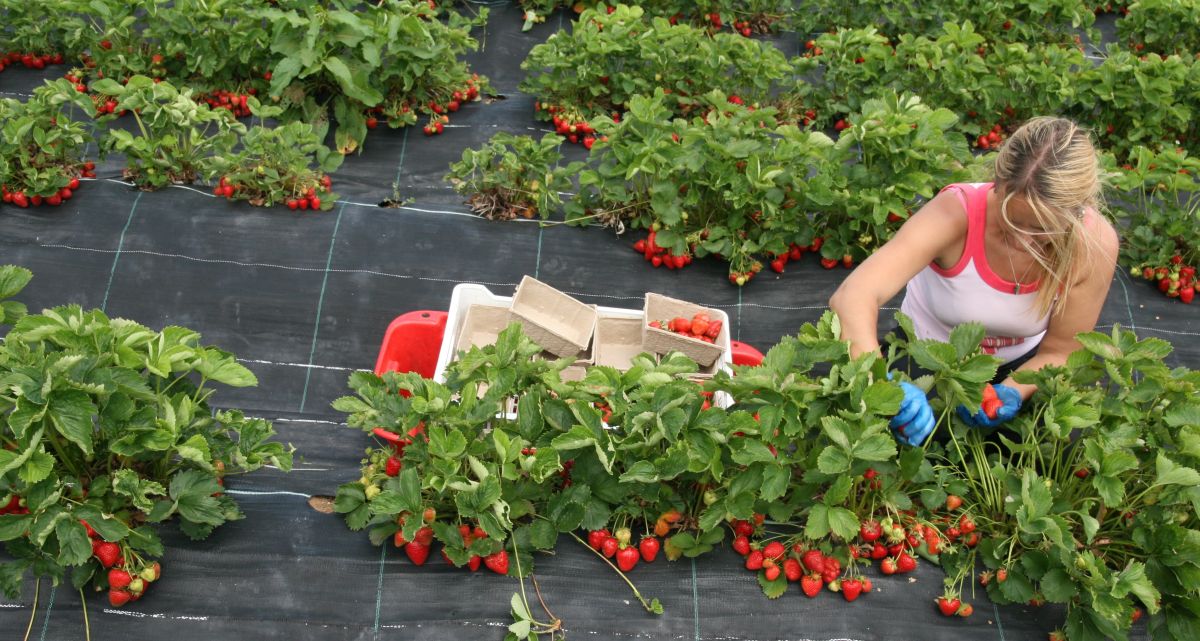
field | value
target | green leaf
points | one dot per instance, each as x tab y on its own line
817	526
38	467
833	460
1058	587
196	450
74	546
13	279
1100	345
966	338
773	589
108	527
843	522
222	367
71	412
640	472
11	578
354	85
1169	473
13	526
775	482
877	447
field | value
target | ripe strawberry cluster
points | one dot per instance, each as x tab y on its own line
700	327
235	102
1176	280
619	545
660	256
13	504
439	121
417	550
128	576
810	567
992	138
19	198
30	60
571	124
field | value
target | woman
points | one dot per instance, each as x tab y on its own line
1029	256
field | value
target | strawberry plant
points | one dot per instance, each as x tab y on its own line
361	59
283	165
745	17
513	176
1161	217
1056	21
896	153
29	38
177	139
595	70
1083	507
1162	26
1114	96
728	182
41	146
107	430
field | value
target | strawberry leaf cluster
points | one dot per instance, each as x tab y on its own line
513	176
41	146
107	431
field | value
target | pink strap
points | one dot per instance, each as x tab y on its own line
974	201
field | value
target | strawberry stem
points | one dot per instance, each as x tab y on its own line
37	589
637	594
87	627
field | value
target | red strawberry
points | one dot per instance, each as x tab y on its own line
965	524
424	535
714	329
966	610
417	552
393	466
905	563
777	265
118	598
953	502
870	530
498	562
774	550
596	538
627	558
90	532
814	560
118	579
474	562
649	548
829	263
107	553
771	571
1187	294
741	545
888	566
948	606
811	585
609	546
1001	575
851	588
878	551
792	569
754	561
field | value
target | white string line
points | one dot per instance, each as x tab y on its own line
241	263
275	493
305	365
149	615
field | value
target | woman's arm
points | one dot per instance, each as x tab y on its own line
1081	308
938	227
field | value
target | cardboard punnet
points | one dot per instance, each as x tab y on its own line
617	341
562	325
481	326
661	341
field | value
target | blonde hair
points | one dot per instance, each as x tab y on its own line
1052	164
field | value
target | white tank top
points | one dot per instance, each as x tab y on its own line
939	299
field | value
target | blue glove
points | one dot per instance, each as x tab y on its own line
914	422
1011	400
